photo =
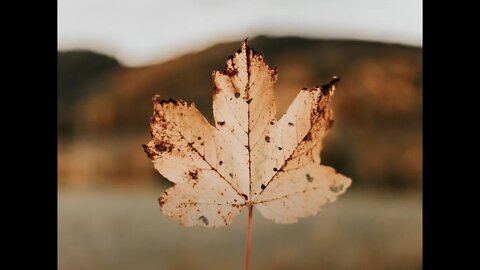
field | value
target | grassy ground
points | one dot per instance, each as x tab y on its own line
123	229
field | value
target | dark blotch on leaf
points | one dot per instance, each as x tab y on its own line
193	174
161	201
280	148
220	163
263	186
147	150
199	138
163	101
231	175
309	178
275	169
267	139
328	86
250	100
237	94
221	123
231	72
336	189
203	219
164	146
290	123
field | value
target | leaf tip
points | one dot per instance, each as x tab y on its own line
329	87
156	98
244	47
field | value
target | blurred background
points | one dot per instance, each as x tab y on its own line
113	56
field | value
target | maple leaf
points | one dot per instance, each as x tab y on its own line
248	158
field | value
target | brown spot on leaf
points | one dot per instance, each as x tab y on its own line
290	124
203	219
326	88
267	139
237	94
245	196
163	146
169	101
231	175
148	151
308	137
263	186
231	72
309	178
280	148
199	138
161	201
271	123
193	174
221	123
220	163
250	100
275	169
336	189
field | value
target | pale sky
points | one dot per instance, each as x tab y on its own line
140	32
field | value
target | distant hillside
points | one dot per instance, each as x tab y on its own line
76	70
377	136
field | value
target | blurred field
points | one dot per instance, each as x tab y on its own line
122	229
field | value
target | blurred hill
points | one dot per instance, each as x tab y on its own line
104	108
76	69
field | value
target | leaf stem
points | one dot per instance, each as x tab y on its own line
249	237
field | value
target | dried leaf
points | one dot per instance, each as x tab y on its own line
248	158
